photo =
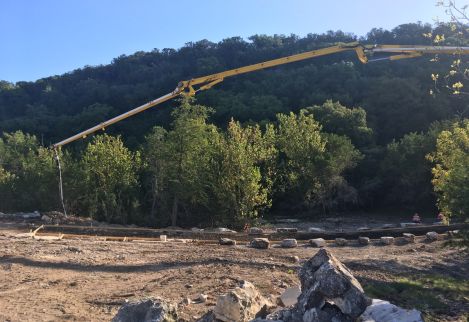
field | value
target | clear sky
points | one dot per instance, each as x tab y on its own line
41	38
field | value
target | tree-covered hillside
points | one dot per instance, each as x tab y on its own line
375	125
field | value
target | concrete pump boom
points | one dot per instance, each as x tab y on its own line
190	87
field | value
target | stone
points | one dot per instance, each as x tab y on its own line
286	230
317	242
383	311
207	317
289	243
432	236
290	296
46	219
408	237
315	230
408	224
150	310
294	259
260	243
324	279
163	238
202	298
196	230
363	228
227	242
255	231
341	242
386	240
240	305
363	240
187	301
224	230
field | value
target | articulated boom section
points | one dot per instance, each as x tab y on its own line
192	86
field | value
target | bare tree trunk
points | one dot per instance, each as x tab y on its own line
174	214
155	194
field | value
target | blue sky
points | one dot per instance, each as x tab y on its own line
41	38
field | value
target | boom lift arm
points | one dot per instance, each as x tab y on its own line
192	86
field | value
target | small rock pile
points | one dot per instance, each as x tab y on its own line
329	292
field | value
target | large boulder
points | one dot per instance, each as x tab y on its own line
227	242
317	242
150	310
329	293
240	305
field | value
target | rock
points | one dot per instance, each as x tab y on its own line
408	224
46	219
329	291
363	240
224	230
227	241
202	298
255	231
385	240
207	317
294	259
383	311
163	238
240	305
260	243
317	242
289	243
315	230
196	230
408	237
290	296
151	310
341	242
452	233
286	230
432	236
186	301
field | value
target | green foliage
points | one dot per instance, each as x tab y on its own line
239	188
27	174
451	170
338	119
312	163
110	179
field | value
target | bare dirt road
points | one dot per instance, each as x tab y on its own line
86	280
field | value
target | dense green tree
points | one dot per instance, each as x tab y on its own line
110	179
28	177
451	170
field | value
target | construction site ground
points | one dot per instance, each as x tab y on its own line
88	280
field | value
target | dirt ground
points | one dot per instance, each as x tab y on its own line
86	280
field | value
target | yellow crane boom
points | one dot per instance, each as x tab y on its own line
190	87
